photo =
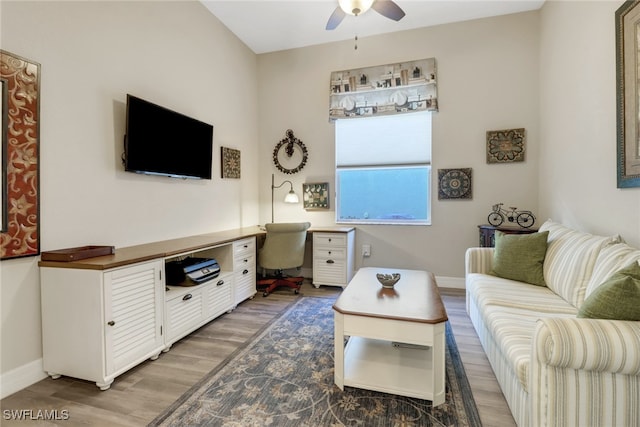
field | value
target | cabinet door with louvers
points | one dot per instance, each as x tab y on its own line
133	301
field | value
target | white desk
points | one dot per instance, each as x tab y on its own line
113	295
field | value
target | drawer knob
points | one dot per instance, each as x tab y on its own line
329	252
111	323
330	261
246	246
187	297
245	271
220	283
329	238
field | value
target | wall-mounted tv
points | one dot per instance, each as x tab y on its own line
159	141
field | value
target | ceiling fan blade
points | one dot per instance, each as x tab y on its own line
389	9
335	19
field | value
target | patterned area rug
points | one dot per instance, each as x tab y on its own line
284	377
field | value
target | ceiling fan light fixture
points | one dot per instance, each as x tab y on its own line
355	7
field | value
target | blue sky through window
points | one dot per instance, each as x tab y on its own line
384	193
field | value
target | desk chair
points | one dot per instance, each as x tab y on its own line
283	249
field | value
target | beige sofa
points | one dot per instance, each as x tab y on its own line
554	368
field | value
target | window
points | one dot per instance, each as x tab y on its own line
383	169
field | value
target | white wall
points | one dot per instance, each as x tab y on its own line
578	121
487	80
92	54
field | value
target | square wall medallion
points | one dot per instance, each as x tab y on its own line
454	184
230	163
505	146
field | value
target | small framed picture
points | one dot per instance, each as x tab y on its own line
454	184
315	195
505	146
230	162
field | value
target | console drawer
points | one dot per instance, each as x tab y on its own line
185	310
244	269
244	248
219	295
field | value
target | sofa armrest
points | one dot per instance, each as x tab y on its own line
577	362
589	344
478	260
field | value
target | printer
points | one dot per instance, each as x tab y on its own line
191	271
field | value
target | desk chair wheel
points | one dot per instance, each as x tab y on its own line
274	283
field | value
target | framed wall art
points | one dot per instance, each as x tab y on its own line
505	146
384	89
3	153
454	184
230	159
315	195
627	94
20	89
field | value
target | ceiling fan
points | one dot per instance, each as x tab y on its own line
385	8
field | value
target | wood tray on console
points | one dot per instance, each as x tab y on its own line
75	254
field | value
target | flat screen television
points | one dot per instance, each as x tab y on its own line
159	141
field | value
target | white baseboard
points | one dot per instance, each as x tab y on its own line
450	282
21	377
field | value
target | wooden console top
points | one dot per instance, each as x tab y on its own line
168	248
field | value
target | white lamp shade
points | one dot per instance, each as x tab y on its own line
355	7
291	197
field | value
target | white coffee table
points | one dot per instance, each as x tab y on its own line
396	336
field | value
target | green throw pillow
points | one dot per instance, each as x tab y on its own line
617	298
520	256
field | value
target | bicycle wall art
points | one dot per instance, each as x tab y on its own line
512	216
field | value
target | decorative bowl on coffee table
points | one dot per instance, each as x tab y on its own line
388	280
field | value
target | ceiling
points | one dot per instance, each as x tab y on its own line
272	25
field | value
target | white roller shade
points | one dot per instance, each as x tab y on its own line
384	140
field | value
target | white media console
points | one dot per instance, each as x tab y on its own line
102	316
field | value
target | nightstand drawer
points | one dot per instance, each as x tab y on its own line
333	257
326	253
330	272
329	239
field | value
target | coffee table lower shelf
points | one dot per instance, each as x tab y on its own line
381	366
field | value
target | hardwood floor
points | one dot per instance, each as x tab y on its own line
138	396
491	404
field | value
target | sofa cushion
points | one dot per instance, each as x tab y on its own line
618	298
570	259
510	309
487	290
611	259
520	256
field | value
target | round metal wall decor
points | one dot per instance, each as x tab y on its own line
290	154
